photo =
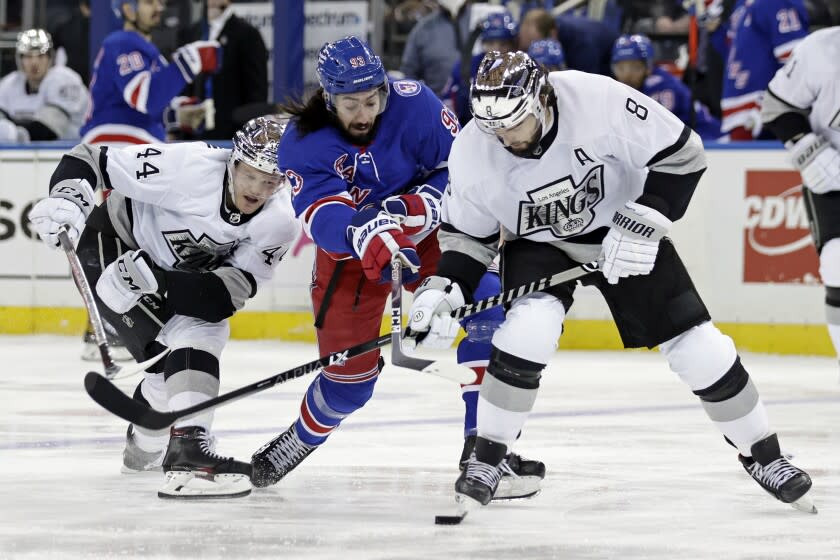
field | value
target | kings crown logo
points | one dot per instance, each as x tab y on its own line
196	255
563	208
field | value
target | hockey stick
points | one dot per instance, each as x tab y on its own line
430	366
458	373
109	397
112	370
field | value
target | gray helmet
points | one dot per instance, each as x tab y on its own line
506	90
256	143
35	41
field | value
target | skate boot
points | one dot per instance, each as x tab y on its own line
480	477
90	350
278	457
520	477
194	471
777	476
135	460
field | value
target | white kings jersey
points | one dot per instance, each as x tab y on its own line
59	104
810	80
607	136
178	212
168	199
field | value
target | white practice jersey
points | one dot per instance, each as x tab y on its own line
60	102
810	80
607	136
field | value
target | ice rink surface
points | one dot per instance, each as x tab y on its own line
635	469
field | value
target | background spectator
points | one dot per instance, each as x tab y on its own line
243	77
435	43
71	37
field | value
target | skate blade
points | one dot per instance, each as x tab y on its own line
463	505
186	485
156	470
517	488
806	504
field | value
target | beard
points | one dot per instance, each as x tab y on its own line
360	138
530	148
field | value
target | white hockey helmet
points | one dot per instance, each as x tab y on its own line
256	144
506	90
35	41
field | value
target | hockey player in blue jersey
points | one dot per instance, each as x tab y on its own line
498	33
366	162
632	64
549	53
132	82
761	35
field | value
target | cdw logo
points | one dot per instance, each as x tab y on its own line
777	240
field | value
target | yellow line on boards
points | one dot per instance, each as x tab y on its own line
297	326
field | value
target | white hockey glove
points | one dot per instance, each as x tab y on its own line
416	211
630	247
124	281
189	115
817	161
11	133
430	324
70	203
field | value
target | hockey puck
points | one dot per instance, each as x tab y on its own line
449	519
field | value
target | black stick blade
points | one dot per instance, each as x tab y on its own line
109	397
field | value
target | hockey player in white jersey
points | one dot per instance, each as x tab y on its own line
802	108
575	167
40	101
187	235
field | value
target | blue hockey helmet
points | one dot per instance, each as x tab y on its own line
632	47
548	52
349	66
116	6
499	26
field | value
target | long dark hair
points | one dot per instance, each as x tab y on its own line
310	115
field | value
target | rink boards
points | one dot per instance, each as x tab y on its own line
745	240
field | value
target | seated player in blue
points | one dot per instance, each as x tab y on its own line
632	64
549	53
498	33
366	160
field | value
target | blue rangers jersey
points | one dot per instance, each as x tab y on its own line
330	177
762	35
131	86
676	97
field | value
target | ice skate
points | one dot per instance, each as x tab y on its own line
520	476
194	471
135	460
277	458
777	476
90	350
